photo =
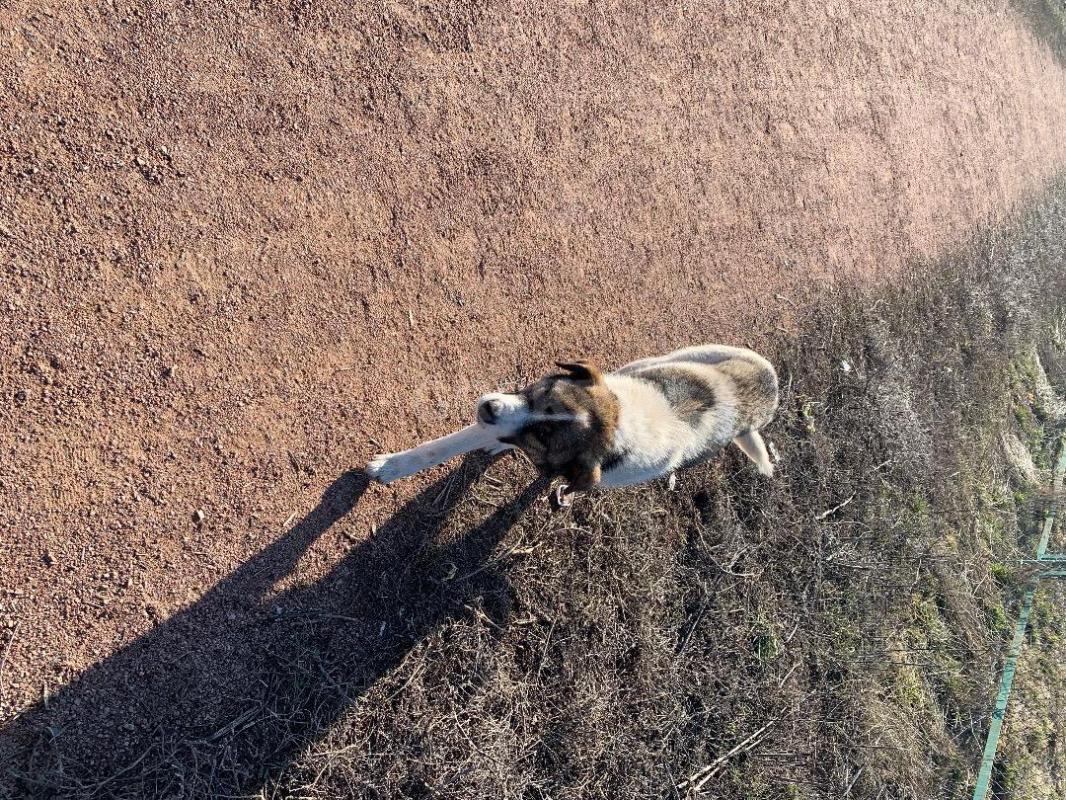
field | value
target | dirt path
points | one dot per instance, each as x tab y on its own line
234	241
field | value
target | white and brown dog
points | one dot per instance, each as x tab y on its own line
597	430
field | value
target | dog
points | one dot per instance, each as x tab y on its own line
607	430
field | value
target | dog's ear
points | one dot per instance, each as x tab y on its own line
581	371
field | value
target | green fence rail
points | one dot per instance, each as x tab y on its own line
1056	568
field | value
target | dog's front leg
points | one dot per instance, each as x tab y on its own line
388	467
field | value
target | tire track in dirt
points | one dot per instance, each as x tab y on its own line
239	244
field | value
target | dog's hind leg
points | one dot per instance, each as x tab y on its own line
754	447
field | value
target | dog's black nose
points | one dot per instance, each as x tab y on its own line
488	410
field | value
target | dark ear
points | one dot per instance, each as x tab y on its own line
581	371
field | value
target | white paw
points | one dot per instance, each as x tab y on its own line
388	467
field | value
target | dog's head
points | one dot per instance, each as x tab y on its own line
564	422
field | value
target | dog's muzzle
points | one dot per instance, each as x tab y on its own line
488	411
503	410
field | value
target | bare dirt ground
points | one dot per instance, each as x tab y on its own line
246	246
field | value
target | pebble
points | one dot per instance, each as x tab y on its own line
198	516
21	396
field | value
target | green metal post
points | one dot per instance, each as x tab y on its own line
984	775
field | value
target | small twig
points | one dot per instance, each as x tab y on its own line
477	612
232	725
857	566
834	509
781	683
410	679
492	563
544	652
3	658
316	614
793	633
847	792
728	568
692	627
112	778
788	300
701	776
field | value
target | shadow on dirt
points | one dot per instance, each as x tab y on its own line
154	739
1047	20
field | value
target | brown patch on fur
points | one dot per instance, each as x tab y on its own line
688	395
581	371
581	475
573	448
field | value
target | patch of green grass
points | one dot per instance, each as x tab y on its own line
1032	423
927	621
998	621
1027	420
920	505
765	642
993	496
1048	621
1004	575
911	688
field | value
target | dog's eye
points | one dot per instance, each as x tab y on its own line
549	410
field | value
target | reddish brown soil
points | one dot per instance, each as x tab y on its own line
243	246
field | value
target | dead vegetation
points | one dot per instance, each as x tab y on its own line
834	632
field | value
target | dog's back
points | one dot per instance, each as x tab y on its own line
682	408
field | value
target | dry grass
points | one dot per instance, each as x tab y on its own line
834	632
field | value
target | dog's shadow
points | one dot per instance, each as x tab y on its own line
221	696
